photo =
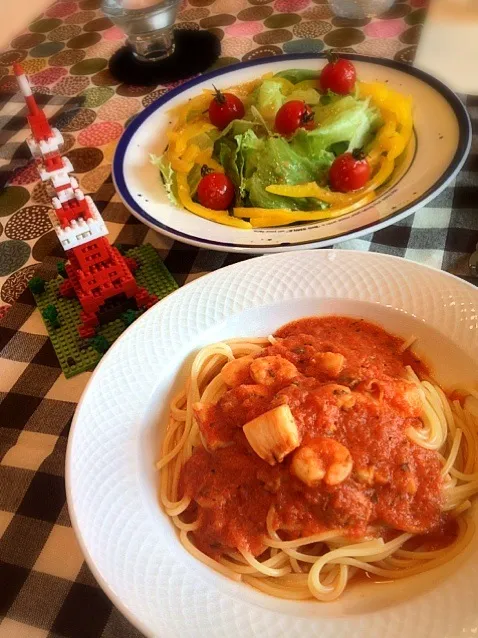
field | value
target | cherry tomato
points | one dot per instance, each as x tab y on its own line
224	108
338	75
216	191
349	172
293	115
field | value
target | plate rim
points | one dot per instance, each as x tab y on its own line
108	588
459	158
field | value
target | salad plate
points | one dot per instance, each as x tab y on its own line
437	149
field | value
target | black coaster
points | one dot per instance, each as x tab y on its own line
194	52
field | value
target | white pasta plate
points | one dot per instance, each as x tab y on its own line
437	151
112	485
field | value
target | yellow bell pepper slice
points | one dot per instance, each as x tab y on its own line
191	153
280	216
244	90
180	165
185	163
312	189
219	216
205	157
188	132
266	218
384	172
241	211
198	103
396	110
305	85
286	85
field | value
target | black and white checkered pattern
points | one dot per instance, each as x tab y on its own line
444	233
46	590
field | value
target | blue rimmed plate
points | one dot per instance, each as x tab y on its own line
442	138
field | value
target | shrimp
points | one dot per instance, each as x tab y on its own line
213	437
273	369
330	363
331	394
322	459
236	372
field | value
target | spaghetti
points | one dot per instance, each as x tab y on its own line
393	504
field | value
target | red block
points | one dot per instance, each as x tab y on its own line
94	252
144	299
66	289
89	319
86	332
53	162
97	272
131	263
73	209
41	130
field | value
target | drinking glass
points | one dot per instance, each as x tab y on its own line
359	8
148	25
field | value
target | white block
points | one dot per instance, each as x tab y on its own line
66	195
80	231
34	148
42	148
24	85
48	146
58	137
59	177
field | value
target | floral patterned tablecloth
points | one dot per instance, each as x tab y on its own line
65	53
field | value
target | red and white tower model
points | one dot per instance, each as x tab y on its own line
98	275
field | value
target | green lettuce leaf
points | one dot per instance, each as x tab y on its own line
257	117
309	96
345	120
278	162
236	127
226	147
168	175
232	152
269	98
247	157
194	177
297	75
225	152
310	148
339	148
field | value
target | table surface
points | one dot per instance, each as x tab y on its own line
456	23
46	590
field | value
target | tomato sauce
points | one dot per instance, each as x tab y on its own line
394	485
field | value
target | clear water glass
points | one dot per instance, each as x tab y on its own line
356	9
147	23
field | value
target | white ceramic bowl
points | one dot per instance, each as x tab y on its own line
112	487
435	155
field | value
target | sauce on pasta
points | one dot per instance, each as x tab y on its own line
298	461
395	483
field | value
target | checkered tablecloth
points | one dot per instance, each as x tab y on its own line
46	590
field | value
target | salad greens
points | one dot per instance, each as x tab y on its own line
168	176
297	75
254	156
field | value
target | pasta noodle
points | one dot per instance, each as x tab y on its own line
321	565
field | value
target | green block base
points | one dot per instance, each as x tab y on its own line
77	355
